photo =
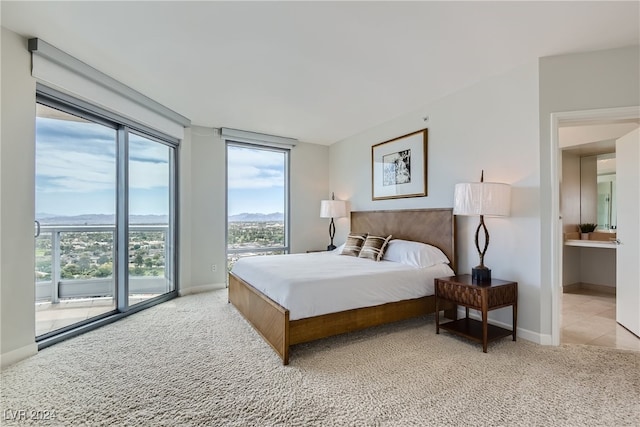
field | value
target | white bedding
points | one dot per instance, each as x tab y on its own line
325	282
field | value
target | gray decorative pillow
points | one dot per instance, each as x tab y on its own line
354	244
374	247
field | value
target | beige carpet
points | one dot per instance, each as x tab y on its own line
195	361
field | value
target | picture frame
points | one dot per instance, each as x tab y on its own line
399	167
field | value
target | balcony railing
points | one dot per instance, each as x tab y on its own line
56	287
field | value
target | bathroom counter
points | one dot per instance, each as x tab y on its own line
591	244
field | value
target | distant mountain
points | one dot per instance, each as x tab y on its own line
101	219
98	219
257	217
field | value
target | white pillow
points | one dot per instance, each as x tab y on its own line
414	253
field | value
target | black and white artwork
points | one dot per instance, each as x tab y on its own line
397	168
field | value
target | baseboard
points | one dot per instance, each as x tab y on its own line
590	287
571	288
202	288
525	334
545	339
11	357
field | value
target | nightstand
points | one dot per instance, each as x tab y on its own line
463	291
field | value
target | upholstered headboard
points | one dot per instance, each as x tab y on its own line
433	226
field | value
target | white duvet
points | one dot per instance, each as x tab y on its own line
326	282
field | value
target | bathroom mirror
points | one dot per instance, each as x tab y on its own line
606	190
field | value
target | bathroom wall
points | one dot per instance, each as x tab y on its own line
588	190
570	211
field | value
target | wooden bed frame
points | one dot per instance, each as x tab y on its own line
433	226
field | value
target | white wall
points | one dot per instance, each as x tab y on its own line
309	185
185	209
584	81
492	125
17	191
208	209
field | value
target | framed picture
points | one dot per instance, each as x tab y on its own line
399	167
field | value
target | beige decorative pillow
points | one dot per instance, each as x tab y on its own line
374	247
353	244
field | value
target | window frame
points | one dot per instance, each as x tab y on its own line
286	248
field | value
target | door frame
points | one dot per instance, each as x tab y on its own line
579	117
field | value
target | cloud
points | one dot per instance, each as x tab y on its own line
252	168
80	157
148	163
68	171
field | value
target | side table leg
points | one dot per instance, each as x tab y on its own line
485	330
515	319
437	316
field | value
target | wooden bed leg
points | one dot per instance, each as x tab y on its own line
452	313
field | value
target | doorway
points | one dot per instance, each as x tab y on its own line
576	136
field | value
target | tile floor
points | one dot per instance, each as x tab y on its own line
589	317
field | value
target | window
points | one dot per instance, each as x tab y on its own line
105	216
257	200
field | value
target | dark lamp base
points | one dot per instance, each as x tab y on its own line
481	275
331	247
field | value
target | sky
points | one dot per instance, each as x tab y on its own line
76	172
255	180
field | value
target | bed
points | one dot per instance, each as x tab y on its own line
274	320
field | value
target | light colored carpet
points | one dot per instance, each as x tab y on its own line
195	361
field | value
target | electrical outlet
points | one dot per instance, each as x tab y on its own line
214	268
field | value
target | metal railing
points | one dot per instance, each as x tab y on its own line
55	288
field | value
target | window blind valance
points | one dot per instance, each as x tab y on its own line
257	138
51	66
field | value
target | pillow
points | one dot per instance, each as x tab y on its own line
414	253
374	247
353	244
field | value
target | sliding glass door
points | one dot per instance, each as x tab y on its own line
105	217
75	219
150	238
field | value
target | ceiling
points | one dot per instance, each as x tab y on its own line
316	71
596	138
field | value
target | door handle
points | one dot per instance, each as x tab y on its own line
37	228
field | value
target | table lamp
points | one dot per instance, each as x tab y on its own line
482	198
332	209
